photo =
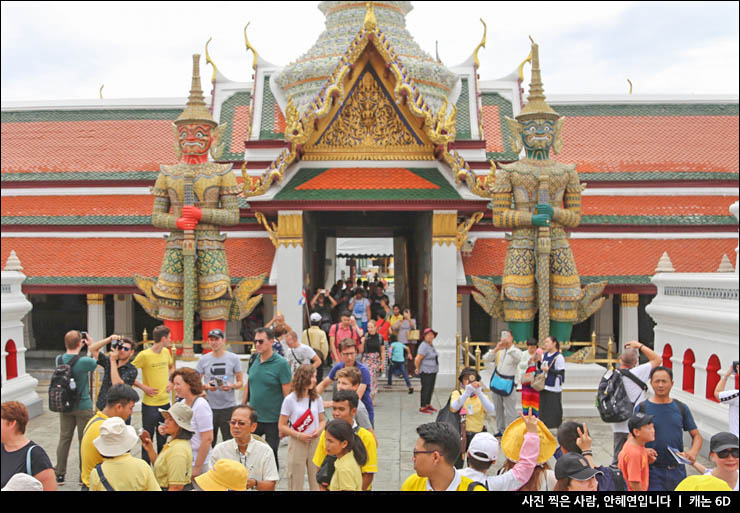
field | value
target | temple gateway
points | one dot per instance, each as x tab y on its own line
366	135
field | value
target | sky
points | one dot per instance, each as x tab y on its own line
67	50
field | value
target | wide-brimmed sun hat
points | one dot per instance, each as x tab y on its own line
705	483
225	475
182	414
115	438
513	439
429	330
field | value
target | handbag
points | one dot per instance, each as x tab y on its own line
501	384
538	382
304	421
414	335
326	470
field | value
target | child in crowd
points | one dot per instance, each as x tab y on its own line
399	353
635	458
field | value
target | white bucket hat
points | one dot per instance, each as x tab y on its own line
182	414
116	438
23	483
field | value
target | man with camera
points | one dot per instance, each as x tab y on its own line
729	397
117	368
75	342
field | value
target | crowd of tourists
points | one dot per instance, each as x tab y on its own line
224	429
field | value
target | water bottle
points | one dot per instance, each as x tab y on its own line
72	384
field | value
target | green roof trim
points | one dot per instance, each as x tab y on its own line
463	113
504	109
656	175
445	191
663	109
228	109
267	125
585	280
40	116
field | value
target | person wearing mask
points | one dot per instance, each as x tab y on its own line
119	471
173	465
222	372
426	366
470	398
483	452
189	387
506	360
156	365
251	451
635	458
574	474
267	385
630	360
373	355
671	418
120	403
302	419
79	416
551	400
19	454
723	451
529	366
434	456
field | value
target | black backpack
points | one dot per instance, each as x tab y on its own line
611	399
64	393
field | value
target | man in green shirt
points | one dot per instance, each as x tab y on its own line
268	383
81	414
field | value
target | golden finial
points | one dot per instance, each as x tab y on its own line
370	22
101	91
196	110
536	107
436	51
521	66
630	83
210	61
482	44
250	47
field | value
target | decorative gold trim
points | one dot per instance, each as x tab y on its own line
459	300
630	300
94	299
444	228
464	227
290	230
270	227
370	22
520	69
210	61
482	44
630	83
101	91
250	47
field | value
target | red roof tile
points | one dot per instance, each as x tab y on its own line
279	126
107	257
102	205
60	146
356	178
492	128
657	205
239	123
651	143
614	257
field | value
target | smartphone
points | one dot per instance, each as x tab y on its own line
218	381
84	334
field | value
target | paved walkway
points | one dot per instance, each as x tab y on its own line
396	418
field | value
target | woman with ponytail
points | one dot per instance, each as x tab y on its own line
342	442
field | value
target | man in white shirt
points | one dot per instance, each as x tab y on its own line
506	360
249	450
629	360
729	397
298	354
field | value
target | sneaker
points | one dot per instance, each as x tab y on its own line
411	391
499	434
424	410
432	408
60	479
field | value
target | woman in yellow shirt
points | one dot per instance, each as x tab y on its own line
173	466
470	400
342	442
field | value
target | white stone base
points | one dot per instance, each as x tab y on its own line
710	417
23	390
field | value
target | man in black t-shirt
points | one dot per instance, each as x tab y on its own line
122	372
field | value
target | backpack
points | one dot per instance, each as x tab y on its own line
64	393
611	480
611	399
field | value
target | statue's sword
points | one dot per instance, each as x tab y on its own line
544	247
189	279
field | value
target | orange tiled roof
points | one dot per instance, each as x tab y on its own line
91	145
614	257
106	257
657	205
651	143
240	124
492	128
124	205
367	178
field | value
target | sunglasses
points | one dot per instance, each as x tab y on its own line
258	342
124	348
727	453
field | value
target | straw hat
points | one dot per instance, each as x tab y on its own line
115	438
705	483
513	439
181	413
226	475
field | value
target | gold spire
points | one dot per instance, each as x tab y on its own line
196	110
210	61
536	106
250	47
482	44
370	21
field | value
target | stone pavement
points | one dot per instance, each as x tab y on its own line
396	418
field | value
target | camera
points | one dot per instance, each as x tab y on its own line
116	344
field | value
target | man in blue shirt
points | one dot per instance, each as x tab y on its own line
348	353
671	418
